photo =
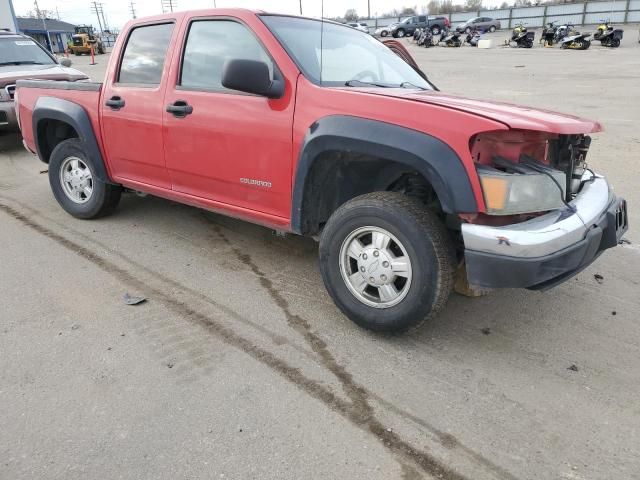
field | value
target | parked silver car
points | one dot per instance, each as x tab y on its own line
21	57
385	31
359	26
485	24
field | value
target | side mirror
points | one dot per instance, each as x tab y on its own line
251	76
65	62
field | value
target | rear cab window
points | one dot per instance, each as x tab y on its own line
144	55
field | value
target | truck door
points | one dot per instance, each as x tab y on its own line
224	145
132	106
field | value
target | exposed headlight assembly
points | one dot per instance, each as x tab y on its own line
522	188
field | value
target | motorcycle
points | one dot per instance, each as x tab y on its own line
608	36
521	37
549	33
426	38
473	37
450	39
562	31
576	41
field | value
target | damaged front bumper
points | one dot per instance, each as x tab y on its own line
547	250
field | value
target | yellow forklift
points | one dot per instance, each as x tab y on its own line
83	38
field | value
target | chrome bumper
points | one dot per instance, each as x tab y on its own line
545	251
548	233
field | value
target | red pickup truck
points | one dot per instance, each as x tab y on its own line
318	129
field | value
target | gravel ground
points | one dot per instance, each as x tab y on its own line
239	366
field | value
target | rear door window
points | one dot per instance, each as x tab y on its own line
144	55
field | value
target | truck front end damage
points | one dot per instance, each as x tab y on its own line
548	216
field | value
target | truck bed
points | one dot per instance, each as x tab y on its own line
85	94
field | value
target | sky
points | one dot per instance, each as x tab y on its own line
117	12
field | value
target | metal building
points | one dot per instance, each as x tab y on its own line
60	32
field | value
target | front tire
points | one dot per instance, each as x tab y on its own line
387	261
75	185
492	29
384	33
400	33
435	30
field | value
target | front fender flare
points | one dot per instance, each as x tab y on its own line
428	155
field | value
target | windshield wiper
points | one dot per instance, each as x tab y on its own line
355	83
411	85
22	62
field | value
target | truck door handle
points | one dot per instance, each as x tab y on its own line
180	109
115	103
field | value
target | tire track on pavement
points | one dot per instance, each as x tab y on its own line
350	411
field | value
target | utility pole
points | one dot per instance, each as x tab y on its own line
96	10
104	20
168	5
132	9
44	24
300	7
57	13
368	8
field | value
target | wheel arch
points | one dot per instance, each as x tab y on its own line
399	149
55	120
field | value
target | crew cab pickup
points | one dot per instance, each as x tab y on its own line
318	129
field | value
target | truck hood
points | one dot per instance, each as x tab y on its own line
9	74
514	116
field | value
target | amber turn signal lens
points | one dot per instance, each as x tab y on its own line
495	192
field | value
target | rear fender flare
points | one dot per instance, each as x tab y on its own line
51	108
428	155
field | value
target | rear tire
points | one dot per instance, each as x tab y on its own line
75	185
416	288
384	33
435	30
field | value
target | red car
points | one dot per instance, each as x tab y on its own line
321	130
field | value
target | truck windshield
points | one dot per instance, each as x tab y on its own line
348	57
22	51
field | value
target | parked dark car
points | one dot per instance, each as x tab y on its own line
484	24
409	25
22	57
